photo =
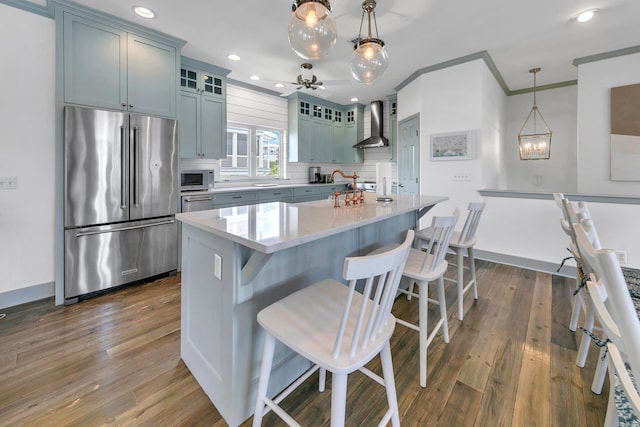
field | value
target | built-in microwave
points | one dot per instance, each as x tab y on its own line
197	179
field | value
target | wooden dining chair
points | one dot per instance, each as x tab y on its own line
620	341
338	329
462	242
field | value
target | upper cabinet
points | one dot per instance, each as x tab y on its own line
112	66
202	113
319	131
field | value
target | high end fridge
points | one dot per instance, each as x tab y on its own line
121	196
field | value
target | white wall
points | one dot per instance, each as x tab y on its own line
594	109
27	147
559	107
463	97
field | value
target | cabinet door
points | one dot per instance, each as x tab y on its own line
304	140
189	124
151	77
213	127
338	142
95	59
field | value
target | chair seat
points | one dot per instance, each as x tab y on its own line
427	234
413	268
626	415
308	320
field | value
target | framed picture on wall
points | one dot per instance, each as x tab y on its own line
452	146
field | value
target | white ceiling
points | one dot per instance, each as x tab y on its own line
517	34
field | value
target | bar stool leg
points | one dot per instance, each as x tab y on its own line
443	310
338	399
263	382
389	382
460	262
423	311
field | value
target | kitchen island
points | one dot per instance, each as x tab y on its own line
238	260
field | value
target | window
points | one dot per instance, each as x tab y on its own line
252	152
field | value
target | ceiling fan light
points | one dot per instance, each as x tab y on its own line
369	61
312	29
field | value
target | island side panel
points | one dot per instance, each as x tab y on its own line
205	312
213	312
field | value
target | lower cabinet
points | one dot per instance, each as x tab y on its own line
234	199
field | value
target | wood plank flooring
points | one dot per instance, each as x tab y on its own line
115	360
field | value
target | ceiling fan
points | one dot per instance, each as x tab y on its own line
306	79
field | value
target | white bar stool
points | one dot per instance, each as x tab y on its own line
338	329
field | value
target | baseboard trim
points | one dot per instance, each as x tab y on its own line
526	263
25	295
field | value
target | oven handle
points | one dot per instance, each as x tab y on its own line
197	198
133	227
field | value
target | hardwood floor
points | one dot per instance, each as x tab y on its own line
115	360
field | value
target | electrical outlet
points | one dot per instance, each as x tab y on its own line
8	182
217	268
622	256
461	176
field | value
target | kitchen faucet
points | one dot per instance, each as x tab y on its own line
354	199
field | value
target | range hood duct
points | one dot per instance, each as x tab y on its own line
376	139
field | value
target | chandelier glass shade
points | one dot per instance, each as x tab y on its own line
312	28
534	138
369	60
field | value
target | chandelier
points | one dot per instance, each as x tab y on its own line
369	59
312	28
534	139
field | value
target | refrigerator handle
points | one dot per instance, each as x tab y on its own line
122	167
136	166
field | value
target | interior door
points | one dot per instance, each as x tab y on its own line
153	167
409	155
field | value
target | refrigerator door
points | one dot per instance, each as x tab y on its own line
153	167
96	166
98	258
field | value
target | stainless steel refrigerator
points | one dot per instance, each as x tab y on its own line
121	196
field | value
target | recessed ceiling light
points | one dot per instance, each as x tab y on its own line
233	57
144	12
354	99
586	15
321	87
279	85
254	77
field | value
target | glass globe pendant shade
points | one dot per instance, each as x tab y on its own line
312	29
369	61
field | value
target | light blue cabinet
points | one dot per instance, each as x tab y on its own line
353	133
108	67
318	131
202	115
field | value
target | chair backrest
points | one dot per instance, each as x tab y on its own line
572	213
611	297
436	250
468	232
382	273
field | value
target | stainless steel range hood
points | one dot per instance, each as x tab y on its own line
376	139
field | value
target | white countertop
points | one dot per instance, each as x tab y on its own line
265	186
271	227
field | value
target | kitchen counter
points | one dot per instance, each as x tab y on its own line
270	186
271	227
238	260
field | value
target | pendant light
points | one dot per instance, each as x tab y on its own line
534	139
369	59
312	28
